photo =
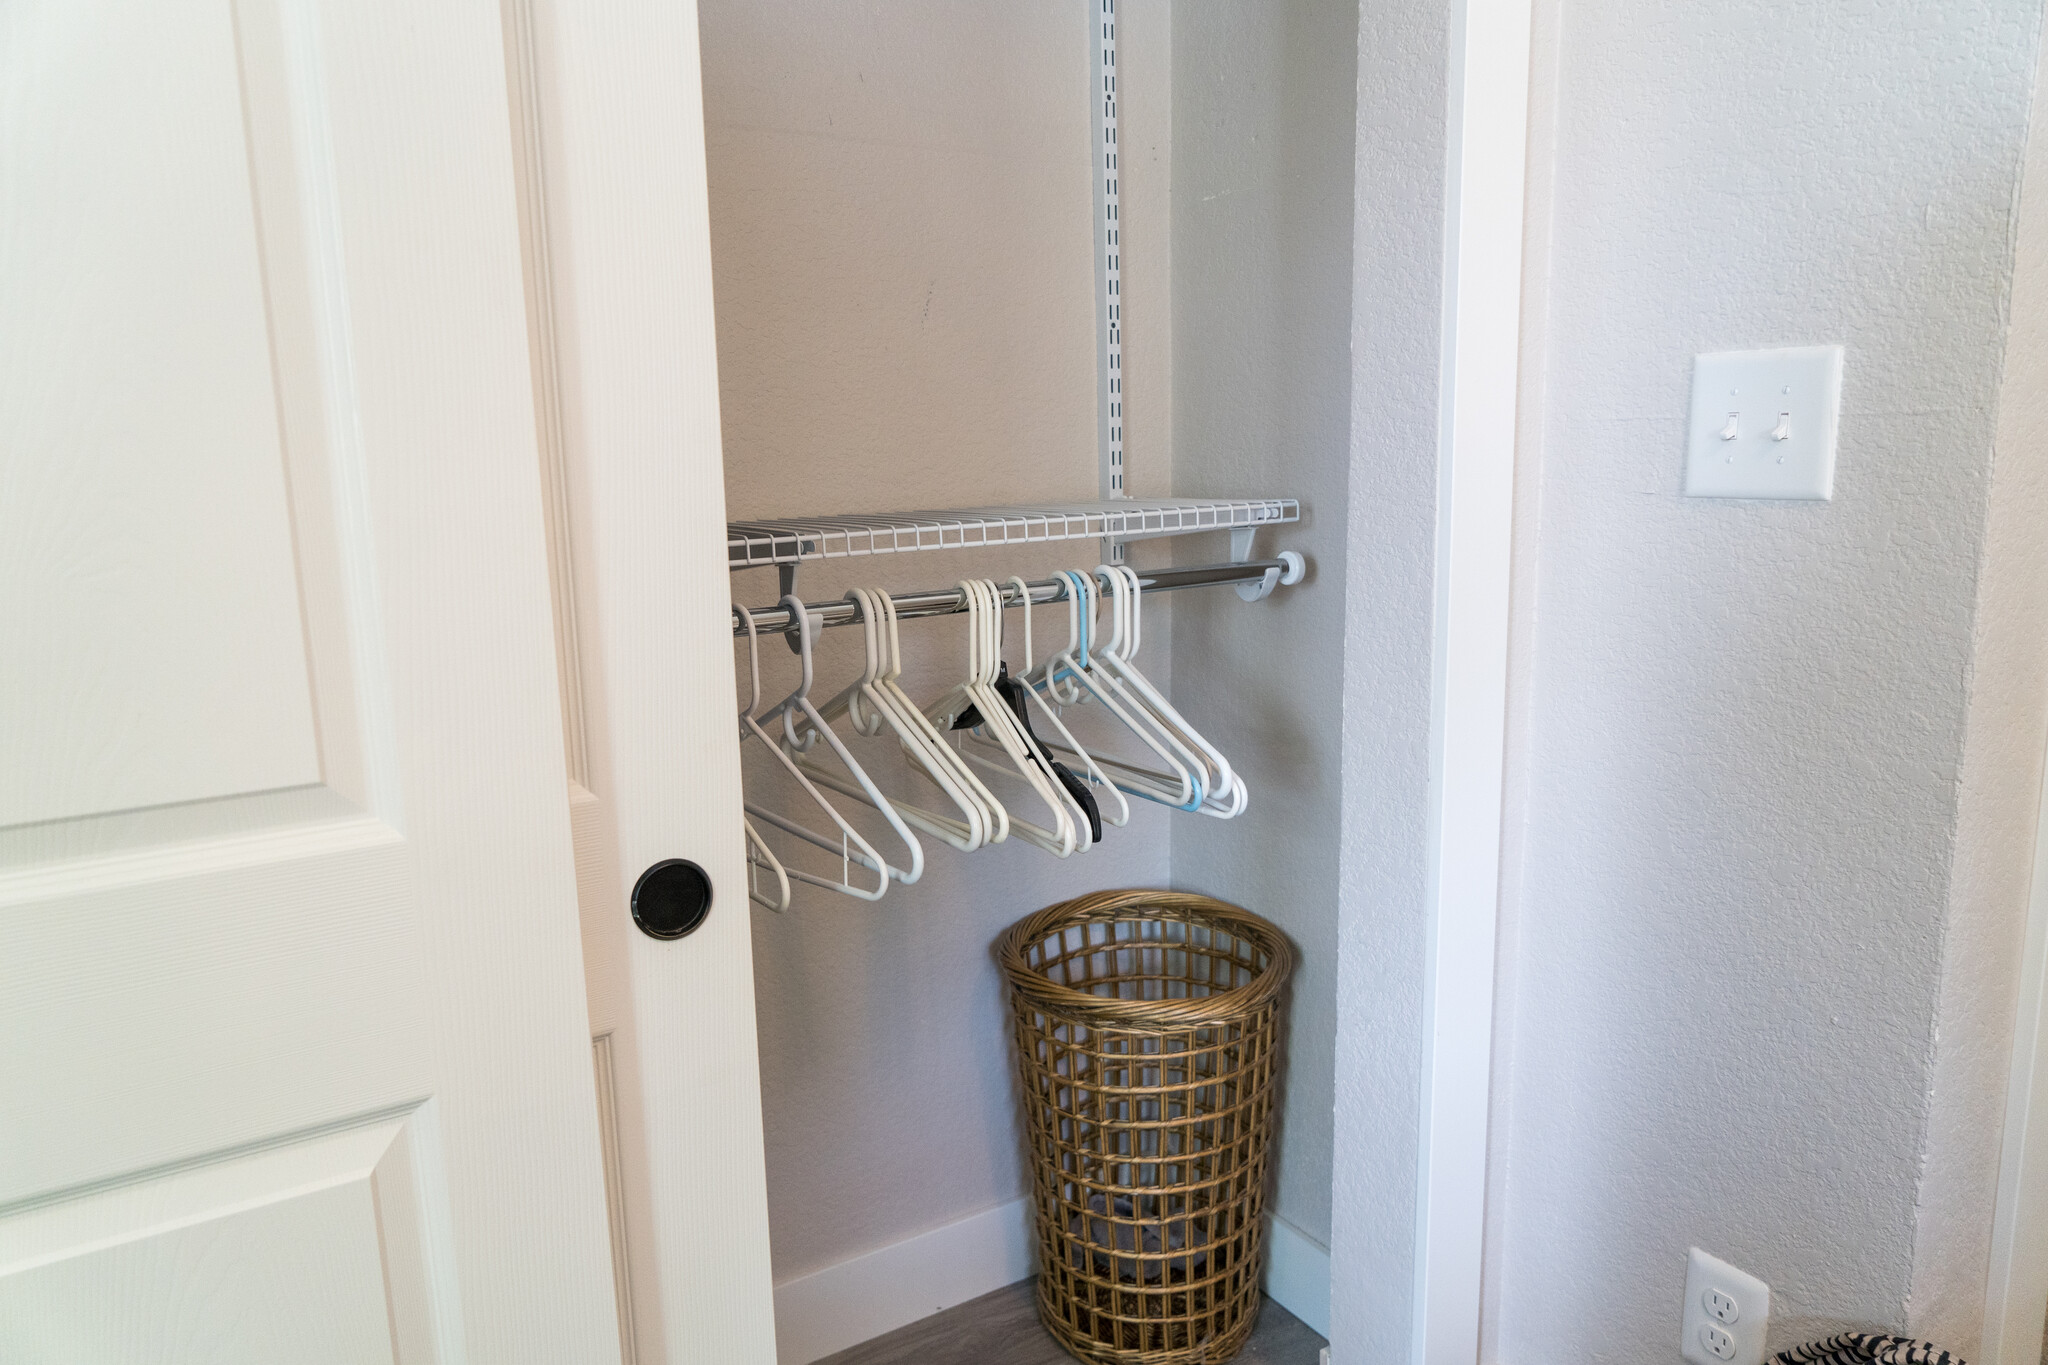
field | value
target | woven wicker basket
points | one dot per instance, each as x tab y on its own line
1146	1036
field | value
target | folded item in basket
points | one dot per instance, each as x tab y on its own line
1113	1242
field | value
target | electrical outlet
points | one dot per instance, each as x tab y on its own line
1719	1341
1726	1313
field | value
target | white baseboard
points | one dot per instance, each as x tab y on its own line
893	1286
1298	1274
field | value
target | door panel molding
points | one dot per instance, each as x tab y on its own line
392	922
154	648
313	338
118	871
530	165
311	1247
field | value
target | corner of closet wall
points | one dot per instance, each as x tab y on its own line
1262	226
902	240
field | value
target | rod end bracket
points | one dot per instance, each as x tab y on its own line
1293	568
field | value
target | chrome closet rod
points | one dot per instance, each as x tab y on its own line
950	601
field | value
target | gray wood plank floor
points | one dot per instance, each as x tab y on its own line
1002	1329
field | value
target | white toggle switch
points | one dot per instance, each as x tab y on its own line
1763	423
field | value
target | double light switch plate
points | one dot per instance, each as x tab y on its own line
1763	423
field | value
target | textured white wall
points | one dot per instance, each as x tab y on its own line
2000	789
1745	723
1263	129
901	212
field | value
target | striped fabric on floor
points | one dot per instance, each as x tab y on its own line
1865	1348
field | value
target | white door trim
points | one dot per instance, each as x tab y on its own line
1488	163
2016	1291
2016	1283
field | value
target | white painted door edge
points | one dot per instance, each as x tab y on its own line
2016	1290
1488	165
614	157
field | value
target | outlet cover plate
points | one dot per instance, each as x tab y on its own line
1755	395
1709	1282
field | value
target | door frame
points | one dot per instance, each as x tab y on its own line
2016	1282
2016	1290
1487	169
1487	176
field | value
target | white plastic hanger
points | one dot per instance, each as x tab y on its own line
1121	656
799	704
889	684
1070	823
1137	696
936	759
1076	674
1110	803
1041	759
759	855
870	709
1226	795
999	724
850	846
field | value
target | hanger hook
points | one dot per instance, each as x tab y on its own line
800	622
1117	609
1024	601
1073	596
864	607
989	658
753	659
1083	588
992	622
865	723
892	667
1137	593
971	602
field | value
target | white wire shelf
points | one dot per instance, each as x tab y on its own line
750	544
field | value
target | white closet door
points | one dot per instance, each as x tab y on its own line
293	1050
625	348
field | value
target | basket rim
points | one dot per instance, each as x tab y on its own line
1237	1002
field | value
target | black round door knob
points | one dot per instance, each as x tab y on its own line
671	898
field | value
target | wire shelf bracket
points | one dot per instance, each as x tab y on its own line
797	540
